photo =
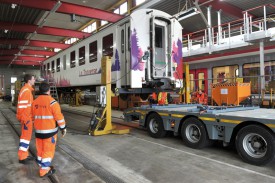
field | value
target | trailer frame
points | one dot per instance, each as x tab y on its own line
251	129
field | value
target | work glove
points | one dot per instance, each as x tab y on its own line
63	132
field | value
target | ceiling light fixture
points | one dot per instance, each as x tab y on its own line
56	6
13	6
187	13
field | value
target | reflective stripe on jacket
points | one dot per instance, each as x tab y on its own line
162	98
47	117
25	99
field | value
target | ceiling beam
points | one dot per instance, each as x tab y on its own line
225	7
27	52
68	8
21	42
20	62
24	58
44	30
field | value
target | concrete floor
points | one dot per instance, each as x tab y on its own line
134	157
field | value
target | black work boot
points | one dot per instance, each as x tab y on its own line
27	160
50	172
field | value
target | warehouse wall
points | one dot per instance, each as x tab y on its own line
15	71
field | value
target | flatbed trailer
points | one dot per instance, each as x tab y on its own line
251	129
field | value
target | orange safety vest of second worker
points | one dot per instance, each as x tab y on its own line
25	99
47	116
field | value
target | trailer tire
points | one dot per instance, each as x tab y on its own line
155	126
255	145
194	134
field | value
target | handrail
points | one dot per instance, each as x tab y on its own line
257	7
240	32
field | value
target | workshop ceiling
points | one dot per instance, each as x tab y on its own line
31	29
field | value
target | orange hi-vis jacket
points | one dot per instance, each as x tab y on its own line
154	96
162	98
25	99
201	98
47	117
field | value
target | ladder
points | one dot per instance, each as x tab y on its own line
53	91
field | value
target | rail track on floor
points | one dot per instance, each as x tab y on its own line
88	164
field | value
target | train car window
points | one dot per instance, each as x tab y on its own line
72	59
129	40
53	68
58	65
107	48
224	73
122	41
201	81
251	73
48	67
158	36
44	69
192	83
82	55
64	62
93	52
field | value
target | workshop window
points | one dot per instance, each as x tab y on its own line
138	2
72	59
123	8
107	49
82	55
93	52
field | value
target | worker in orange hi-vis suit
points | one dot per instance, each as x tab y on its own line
201	97
25	99
162	98
47	119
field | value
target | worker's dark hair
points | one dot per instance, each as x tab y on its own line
44	87
27	77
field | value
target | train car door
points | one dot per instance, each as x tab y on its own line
198	80
160	46
124	53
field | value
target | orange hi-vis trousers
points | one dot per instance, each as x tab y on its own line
45	153
26	135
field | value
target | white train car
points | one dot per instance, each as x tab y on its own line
146	50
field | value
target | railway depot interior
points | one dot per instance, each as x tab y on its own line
196	75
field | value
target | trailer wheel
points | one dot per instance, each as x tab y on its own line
255	145
194	134
155	126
